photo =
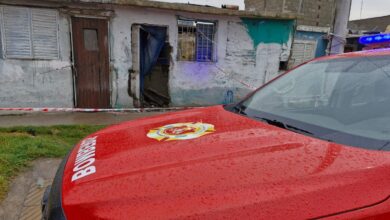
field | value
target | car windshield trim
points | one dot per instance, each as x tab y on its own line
312	130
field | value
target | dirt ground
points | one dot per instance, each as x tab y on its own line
23	201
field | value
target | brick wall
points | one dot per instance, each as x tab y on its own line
315	12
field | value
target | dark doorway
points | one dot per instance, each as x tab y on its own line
91	62
154	66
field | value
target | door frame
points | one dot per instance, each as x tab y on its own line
134	74
73	54
135	87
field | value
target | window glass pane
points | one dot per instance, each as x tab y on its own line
204	43
196	40
348	95
91	40
187	39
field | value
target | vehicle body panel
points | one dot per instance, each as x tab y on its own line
244	169
240	169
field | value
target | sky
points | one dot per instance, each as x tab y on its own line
371	8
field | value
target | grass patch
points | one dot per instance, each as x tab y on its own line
21	145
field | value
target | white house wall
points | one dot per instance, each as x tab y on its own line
37	83
240	65
239	61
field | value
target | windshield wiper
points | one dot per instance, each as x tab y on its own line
240	109
284	125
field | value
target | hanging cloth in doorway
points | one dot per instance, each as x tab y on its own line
152	40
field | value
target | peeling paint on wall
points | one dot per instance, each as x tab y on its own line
204	84
247	49
256	64
269	31
39	83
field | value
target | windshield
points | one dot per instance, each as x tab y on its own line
344	100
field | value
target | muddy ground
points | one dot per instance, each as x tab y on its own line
23	201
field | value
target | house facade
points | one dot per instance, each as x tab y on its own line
376	24
367	26
117	54
314	24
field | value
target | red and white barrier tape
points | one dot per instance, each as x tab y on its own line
130	110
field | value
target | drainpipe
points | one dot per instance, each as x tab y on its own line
343	8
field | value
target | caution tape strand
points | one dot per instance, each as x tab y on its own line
129	110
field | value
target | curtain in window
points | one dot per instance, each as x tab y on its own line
152	40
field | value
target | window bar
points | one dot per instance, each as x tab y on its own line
193	47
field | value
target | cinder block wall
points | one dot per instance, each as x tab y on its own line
318	13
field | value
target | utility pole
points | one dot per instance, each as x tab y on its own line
340	28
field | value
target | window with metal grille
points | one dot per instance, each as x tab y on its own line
29	33
196	40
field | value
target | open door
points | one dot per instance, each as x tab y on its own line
154	66
91	62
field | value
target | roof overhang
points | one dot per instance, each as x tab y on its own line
100	4
307	28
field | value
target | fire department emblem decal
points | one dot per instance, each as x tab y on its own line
181	131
